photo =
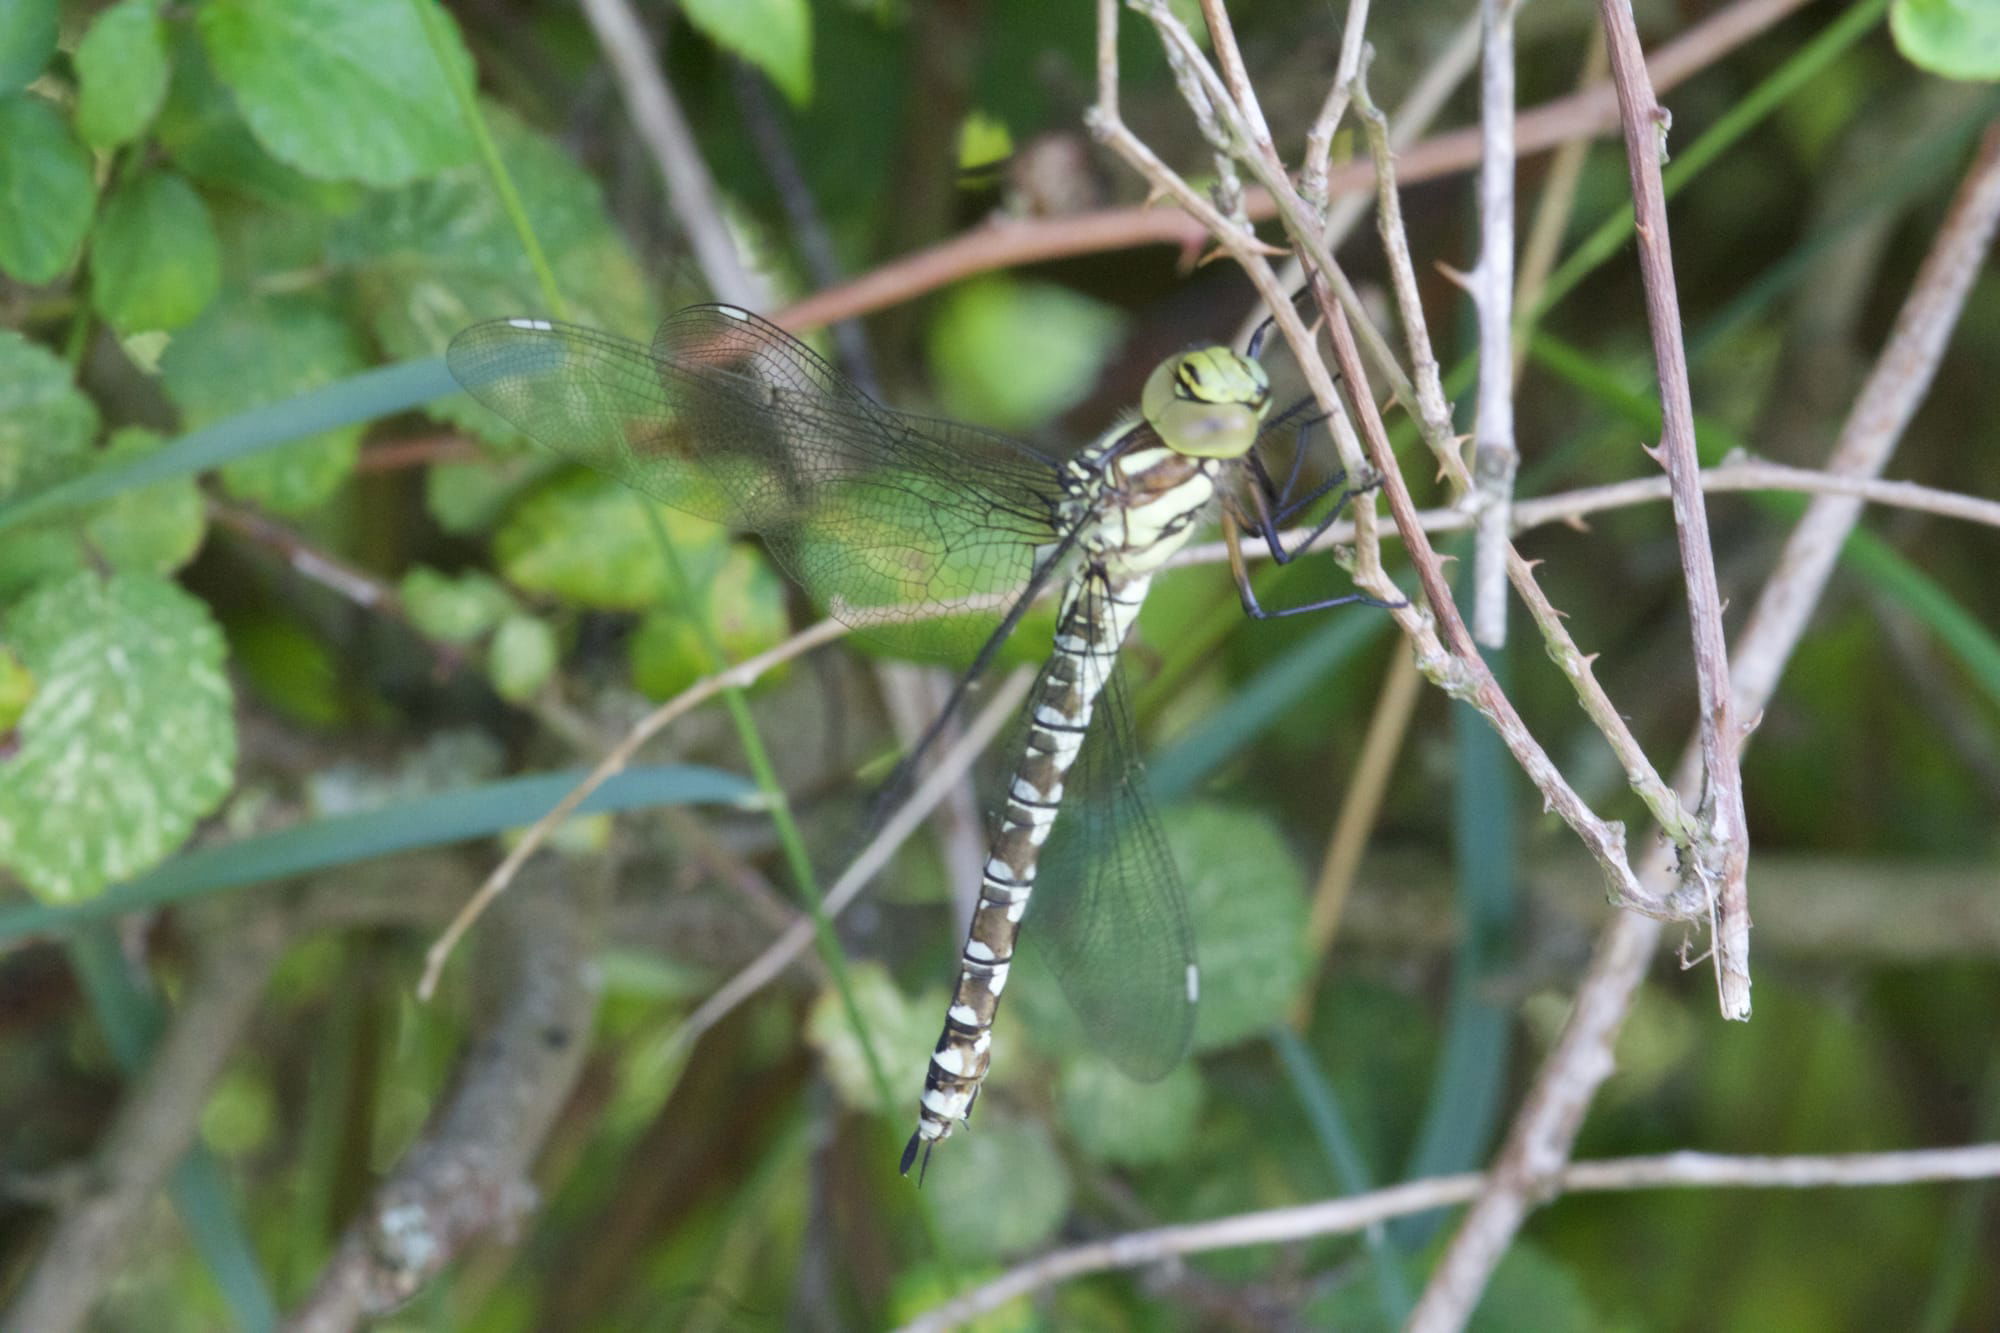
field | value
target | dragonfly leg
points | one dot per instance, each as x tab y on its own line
1267	520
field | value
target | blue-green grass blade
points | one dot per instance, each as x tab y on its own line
1464	1108
473	812
1350	1168
1267	697
364	397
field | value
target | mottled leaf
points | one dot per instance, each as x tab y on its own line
46	423
247	351
342	89
130	737
121	72
151	529
46	191
154	260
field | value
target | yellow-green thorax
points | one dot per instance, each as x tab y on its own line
1208	403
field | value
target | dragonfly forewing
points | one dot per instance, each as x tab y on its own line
887	519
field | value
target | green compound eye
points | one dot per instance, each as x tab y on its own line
1208	403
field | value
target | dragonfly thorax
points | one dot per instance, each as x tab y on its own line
1207	403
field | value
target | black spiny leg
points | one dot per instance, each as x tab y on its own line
1274	506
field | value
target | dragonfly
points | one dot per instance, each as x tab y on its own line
893	520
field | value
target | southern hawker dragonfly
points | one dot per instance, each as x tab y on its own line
888	520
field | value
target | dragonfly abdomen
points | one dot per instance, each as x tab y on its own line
1146	503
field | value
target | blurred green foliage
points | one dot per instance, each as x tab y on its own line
220	222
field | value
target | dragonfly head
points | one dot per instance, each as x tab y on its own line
1208	403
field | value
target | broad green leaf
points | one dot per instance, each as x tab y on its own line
901	1032
439	255
998	1188
1125	1123
1012	354
154	260
774	35
27	40
130	737
46	191
341	89
466	498
121	72
150	529
745	611
456	609
586	539
1959	39
204	132
46	423
248	350
522	657
1247	896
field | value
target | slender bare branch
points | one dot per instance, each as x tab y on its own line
1718	871
466	1177
1495	459
657	116
1680	1170
743	673
1546	1125
895	830
1319	139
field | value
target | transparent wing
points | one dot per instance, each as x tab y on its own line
885	518
1109	914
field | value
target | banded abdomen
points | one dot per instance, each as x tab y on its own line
1141	504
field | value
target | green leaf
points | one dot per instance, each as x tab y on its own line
17	688
901	1031
455	609
129	740
586	539
204	132
1012	354
1247	896
1121	1122
439	255
290	668
46	423
1959	39
773	35
152	529
247	350
46	191
154	262
27	40
522	658
999	1188
341	89
121	73
745	610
